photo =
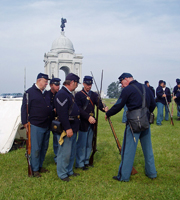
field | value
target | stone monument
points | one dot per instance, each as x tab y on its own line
62	56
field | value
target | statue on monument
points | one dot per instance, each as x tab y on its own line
63	21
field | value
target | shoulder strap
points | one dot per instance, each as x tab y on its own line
88	98
143	95
71	107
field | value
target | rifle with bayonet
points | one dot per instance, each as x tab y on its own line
94	142
134	171
28	140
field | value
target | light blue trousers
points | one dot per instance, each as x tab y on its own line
129	150
55	146
124	119
166	113
178	112
65	156
160	107
39	146
84	147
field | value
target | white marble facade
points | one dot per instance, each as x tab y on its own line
62	56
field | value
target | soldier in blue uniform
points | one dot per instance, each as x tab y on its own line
39	115
174	93
160	102
133	100
86	100
167	91
69	114
150	87
54	84
177	99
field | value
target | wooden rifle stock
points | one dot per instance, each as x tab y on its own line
94	142
28	142
172	109
172	123
134	171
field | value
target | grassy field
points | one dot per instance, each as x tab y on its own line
97	182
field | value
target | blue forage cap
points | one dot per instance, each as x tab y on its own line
161	81
124	75
55	81
164	82
41	75
73	77
145	82
88	80
178	82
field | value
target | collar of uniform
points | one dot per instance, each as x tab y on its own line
40	89
67	89
85	91
132	82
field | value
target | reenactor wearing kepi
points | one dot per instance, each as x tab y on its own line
69	116
177	99
39	116
132	97
167	91
86	100
175	90
54	84
160	102
150	87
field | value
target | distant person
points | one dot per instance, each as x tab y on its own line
167	91
69	116
86	100
150	87
39	115
160	102
54	84
176	88
177	99
132	97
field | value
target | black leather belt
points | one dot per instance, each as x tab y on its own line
74	117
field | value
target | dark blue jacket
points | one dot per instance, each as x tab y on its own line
133	100
168	94
152	90
86	107
175	90
159	93
39	108
51	97
178	96
64	101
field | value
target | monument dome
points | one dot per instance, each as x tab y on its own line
62	44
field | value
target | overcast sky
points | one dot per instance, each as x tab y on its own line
141	37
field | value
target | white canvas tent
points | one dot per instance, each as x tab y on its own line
10	123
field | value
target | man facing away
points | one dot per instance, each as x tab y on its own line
39	116
69	114
86	100
54	84
133	100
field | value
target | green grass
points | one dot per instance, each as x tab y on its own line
97	182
